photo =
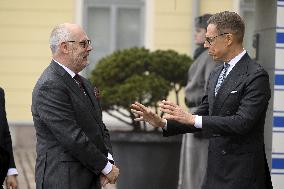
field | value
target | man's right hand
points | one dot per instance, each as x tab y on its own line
113	174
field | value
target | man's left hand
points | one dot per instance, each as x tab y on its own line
175	112
11	182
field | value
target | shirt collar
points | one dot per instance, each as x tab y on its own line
70	72
237	58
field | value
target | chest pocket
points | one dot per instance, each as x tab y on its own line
232	102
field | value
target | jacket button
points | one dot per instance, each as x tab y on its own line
228	112
223	152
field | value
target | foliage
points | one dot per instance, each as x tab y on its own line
136	74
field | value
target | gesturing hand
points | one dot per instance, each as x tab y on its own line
175	112
145	114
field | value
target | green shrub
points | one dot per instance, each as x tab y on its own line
136	74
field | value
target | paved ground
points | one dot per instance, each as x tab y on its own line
25	156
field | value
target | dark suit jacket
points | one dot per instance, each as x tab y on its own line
72	140
5	141
235	121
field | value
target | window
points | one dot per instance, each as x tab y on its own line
113	25
247	11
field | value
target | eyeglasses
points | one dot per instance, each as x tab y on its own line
84	43
210	40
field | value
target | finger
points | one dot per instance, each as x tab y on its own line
169	103
105	182
101	180
167	107
167	111
114	181
8	185
136	107
139	119
141	106
170	117
136	112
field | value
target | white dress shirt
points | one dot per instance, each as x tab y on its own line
108	166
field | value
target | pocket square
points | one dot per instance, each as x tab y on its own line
233	92
96	92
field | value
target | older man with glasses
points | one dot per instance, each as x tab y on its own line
73	144
232	111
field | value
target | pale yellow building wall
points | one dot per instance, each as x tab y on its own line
25	27
172	25
173	21
214	6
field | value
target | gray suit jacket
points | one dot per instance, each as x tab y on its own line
72	140
235	120
198	75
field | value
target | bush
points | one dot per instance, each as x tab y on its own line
136	74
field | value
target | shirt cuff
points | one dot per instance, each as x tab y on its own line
12	171
109	156
198	121
107	168
166	125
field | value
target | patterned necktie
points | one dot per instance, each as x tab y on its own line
80	82
222	77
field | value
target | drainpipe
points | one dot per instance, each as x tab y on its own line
195	12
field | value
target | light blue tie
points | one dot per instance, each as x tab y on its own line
222	77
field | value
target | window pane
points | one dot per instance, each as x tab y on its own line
128	28
248	38
98	30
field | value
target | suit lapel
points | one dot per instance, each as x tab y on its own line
90	91
232	81
212	84
68	80
73	86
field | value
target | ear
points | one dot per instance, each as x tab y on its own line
229	38
64	47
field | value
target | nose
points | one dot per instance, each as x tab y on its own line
89	47
206	44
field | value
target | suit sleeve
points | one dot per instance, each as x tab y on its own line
175	128
56	111
107	140
6	132
252	108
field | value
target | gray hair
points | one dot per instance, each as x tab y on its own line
58	35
